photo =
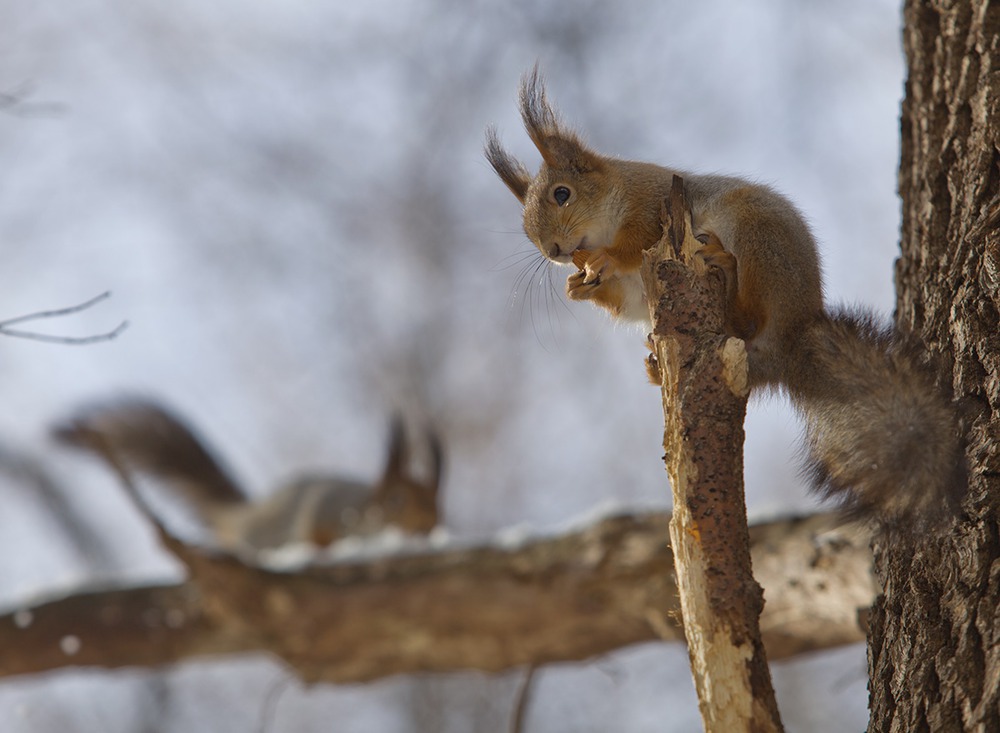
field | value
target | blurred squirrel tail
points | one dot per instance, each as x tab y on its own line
137	436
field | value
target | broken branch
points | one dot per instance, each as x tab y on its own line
703	387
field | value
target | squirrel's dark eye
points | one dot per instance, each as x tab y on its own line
561	194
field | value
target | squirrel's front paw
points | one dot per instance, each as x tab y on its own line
595	265
596	268
713	254
577	287
597	281
581	285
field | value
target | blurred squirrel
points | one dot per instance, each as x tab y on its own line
139	437
882	437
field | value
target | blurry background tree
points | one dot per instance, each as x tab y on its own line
291	206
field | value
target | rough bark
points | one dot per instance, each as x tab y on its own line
557	599
934	651
703	374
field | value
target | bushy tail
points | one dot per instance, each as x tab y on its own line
141	436
881	436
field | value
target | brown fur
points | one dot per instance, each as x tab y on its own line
157	440
880	434
613	215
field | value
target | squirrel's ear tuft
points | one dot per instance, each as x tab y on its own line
559	146
511	171
397	455
540	119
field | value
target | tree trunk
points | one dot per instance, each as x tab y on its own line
934	647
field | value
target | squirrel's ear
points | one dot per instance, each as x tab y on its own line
433	483
397	479
510	169
559	146
397	454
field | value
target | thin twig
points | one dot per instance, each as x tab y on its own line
269	711
6	330
523	699
58	311
15	103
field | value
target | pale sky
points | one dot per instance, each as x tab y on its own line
291	207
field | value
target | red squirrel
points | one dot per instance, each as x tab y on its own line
139	437
882	437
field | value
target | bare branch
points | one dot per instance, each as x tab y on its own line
6	330
556	599
16	103
704	391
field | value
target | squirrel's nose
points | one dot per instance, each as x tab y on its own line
553	251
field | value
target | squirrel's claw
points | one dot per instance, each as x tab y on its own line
652	363
596	269
577	287
595	264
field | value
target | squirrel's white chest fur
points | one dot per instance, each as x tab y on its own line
635	309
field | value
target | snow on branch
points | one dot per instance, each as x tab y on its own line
490	608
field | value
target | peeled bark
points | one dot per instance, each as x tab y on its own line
703	374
